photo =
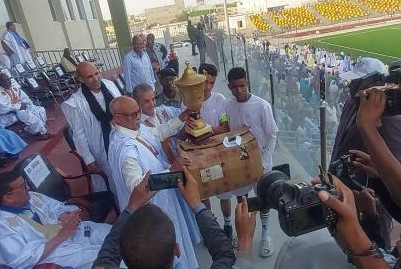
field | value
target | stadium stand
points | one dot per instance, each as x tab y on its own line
382	6
293	17
259	22
340	10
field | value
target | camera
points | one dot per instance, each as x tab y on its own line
299	209
167	180
393	95
343	169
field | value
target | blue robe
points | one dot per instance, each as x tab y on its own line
10	142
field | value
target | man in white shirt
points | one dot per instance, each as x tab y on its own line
15	105
36	229
213	112
16	47
134	152
137	67
246	109
163	121
87	112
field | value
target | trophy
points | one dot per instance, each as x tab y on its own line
191	86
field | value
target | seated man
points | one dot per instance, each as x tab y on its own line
15	105
36	229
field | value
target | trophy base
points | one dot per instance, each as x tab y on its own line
197	135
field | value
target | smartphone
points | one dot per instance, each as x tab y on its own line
253	204
164	181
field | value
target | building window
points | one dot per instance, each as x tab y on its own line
6	12
93	9
66	11
73	10
239	24
81	9
51	6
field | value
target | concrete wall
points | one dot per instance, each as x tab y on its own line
78	34
96	31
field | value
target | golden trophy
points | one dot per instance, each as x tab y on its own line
191	86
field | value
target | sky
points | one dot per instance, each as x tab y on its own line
138	6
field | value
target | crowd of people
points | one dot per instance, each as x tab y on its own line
133	134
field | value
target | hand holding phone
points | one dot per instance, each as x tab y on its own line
167	180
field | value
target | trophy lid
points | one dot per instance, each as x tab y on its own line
189	77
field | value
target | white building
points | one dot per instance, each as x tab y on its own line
56	24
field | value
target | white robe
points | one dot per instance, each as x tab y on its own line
21	245
256	114
34	117
87	131
20	55
121	146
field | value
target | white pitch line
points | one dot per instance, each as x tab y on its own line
365	51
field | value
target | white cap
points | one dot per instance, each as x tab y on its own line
363	67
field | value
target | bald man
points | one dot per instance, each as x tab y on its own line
87	112
134	151
137	67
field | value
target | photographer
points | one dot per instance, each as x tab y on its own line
349	234
367	72
372	105
148	233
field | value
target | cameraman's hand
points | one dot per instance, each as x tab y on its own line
371	108
190	191
349	233
141	194
364	163
245	224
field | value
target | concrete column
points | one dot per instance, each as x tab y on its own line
101	22
58	9
120	22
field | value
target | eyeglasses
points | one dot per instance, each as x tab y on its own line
131	115
22	186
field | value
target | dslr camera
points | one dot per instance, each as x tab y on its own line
393	95
299	209
343	169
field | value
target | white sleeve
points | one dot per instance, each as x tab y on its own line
78	132
167	129
24	97
127	73
270	128
7	107
55	208
15	250
132	172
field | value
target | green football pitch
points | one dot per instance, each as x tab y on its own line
383	42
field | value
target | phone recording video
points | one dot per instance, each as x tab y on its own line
164	181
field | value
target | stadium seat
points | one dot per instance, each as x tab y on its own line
259	22
340	10
290	18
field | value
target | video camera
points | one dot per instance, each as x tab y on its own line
299	209
393	100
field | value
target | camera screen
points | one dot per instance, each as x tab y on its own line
308	219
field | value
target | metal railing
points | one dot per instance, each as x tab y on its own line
107	58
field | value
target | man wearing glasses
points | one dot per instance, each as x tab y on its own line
135	152
36	229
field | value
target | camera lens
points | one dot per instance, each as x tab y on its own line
270	188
